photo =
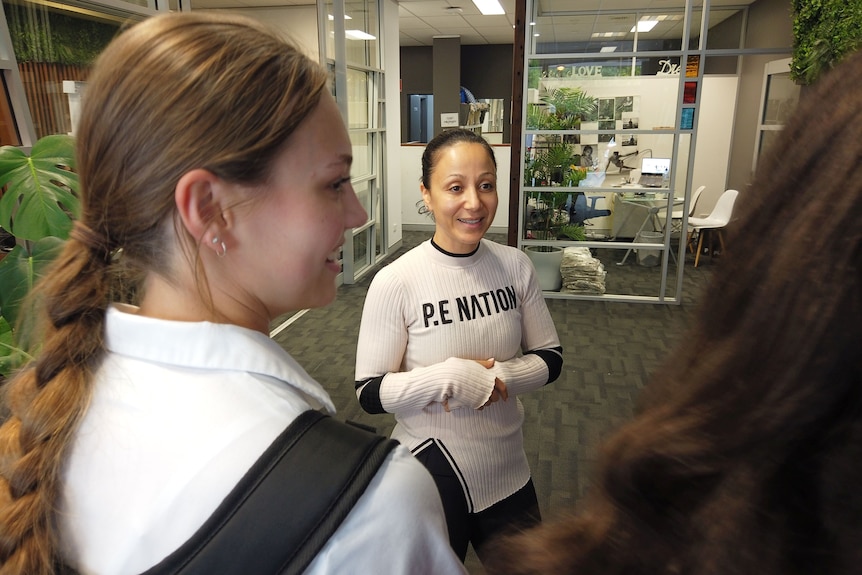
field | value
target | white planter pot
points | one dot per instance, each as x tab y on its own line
547	260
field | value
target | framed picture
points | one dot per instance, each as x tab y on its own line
606	109
686	121
622	105
689	94
607	125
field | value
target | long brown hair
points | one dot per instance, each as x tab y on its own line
171	94
746	453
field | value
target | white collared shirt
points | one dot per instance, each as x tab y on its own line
179	412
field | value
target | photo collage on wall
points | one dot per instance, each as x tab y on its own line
618	115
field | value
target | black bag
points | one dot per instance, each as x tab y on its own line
288	505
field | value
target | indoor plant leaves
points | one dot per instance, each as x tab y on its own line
39	200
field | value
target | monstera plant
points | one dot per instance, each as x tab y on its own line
38	205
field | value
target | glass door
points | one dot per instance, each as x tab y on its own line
350	47
779	98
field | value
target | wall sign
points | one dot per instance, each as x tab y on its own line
449	120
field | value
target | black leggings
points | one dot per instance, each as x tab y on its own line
519	510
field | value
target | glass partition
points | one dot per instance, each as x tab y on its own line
351	49
611	107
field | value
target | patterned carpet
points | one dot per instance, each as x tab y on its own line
610	348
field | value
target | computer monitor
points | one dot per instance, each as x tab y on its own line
655	166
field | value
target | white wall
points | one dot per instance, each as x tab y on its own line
411	174
714	134
656	98
657	110
297	22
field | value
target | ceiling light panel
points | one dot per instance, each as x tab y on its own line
489	7
644	26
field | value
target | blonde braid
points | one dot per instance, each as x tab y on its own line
46	401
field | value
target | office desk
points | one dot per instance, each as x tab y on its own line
654	200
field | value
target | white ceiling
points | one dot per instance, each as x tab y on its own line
421	20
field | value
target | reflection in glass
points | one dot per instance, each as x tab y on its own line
767	138
361	30
360	250
9	135
358	111
362	157
494	116
52	45
654	30
329	25
782	97
363	192
725	28
563	31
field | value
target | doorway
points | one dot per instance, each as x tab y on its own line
421	117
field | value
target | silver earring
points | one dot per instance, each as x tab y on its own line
223	251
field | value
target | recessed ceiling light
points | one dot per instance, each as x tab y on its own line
644	25
608	49
346	17
489	7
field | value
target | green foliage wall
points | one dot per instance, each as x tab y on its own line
824	31
39	34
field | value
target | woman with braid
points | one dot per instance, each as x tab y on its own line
215	169
452	332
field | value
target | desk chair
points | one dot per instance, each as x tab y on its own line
716	220
676	215
579	211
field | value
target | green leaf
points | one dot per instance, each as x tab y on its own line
11	356
40	199
571	102
19	270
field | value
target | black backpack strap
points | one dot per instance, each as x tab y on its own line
288	504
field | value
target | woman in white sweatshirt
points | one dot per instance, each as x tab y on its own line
452	332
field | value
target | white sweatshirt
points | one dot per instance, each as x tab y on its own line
427	317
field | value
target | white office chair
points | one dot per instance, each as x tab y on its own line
716	220
676	215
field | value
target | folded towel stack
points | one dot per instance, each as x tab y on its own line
582	273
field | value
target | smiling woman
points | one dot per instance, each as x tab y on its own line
451	333
464	197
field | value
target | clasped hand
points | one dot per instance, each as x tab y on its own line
499	392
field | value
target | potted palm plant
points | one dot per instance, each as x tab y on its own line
571	106
37	207
558	158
